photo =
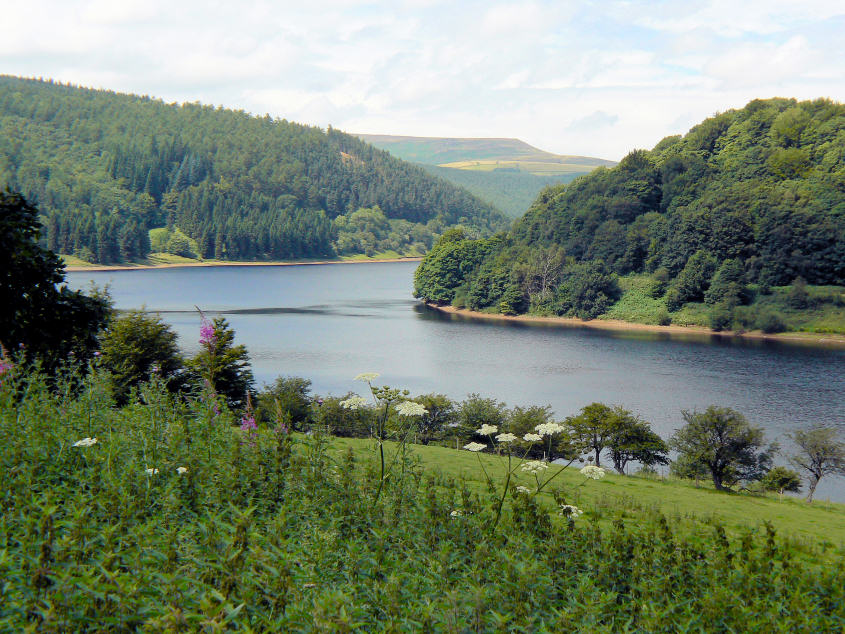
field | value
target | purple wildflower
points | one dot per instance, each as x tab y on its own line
5	367
249	428
207	335
97	353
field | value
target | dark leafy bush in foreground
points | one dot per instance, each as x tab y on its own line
175	521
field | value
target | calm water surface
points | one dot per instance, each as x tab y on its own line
330	322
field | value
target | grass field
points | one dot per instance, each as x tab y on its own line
820	523
540	168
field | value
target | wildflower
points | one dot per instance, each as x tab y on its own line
181	470
151	472
592	471
248	423
567	510
548	429
207	335
354	402
97	353
85	442
522	489
505	437
367	376
456	513
474	446
410	408
532	437
486	430
155	369
534	466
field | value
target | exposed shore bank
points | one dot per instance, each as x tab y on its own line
809	338
174	265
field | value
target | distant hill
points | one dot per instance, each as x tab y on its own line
106	168
508	173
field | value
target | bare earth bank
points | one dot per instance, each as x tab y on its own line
822	339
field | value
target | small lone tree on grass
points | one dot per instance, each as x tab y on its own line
820	453
723	441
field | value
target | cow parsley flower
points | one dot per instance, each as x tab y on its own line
548	429
522	489
354	402
505	437
592	471
532	437
567	510
486	430
181	470
151	472
85	442
534	467
367	376
474	446
410	408
456	513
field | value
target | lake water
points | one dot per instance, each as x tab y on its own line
331	322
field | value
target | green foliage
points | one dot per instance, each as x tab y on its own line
286	400
769	322
222	365
692	281
38	319
631	438
106	168
282	535
781	479
819	452
797	296
475	411
135	345
723	442
588	290
440	415
750	197
328	414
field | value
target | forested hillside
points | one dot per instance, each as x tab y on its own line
699	228
105	168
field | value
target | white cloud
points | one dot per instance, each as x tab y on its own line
552	73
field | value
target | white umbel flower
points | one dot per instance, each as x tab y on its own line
474	446
456	513
567	510
85	442
151	471
592	471
354	402
367	376
505	437
532	437
522	489
181	470
486	430
549	429
534	466
410	408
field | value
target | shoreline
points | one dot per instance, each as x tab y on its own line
173	265
617	325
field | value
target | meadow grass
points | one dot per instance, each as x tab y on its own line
176	520
632	495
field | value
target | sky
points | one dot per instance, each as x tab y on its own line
591	78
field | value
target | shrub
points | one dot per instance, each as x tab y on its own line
770	321
286	399
720	317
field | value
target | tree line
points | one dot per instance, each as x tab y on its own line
747	200
105	168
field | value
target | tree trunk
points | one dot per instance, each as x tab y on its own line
812	489
598	452
717	482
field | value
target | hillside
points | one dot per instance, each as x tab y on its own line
508	173
105	168
740	224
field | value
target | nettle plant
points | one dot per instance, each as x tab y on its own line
398	426
513	453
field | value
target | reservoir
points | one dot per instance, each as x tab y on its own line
330	322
